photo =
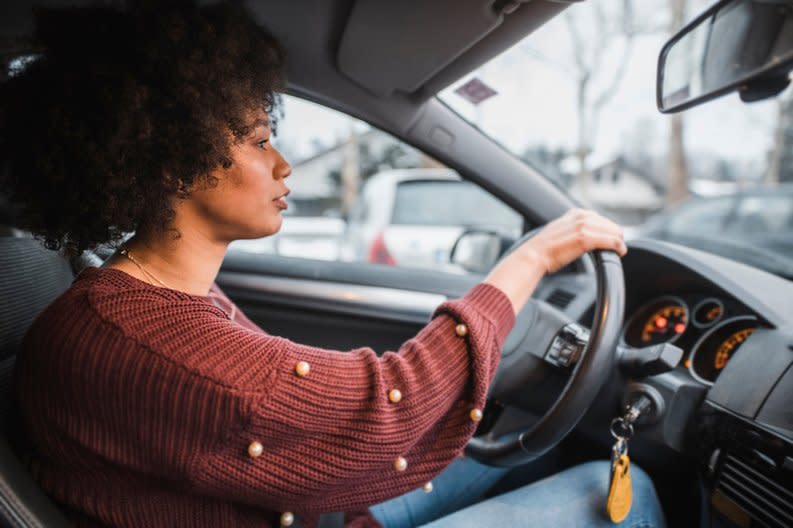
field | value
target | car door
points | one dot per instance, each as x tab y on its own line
293	286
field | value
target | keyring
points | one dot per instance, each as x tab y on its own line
627	428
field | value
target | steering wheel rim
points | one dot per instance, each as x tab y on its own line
588	376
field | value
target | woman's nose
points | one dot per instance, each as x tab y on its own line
282	168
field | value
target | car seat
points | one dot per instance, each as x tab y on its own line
30	278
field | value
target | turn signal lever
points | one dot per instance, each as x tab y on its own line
649	361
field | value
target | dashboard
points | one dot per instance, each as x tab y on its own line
727	404
709	329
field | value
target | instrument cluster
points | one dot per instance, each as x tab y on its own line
708	329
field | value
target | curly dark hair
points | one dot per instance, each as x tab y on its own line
123	111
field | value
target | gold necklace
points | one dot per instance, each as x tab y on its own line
124	251
216	299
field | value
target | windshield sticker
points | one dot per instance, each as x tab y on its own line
475	91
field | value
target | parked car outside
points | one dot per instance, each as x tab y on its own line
318	236
413	217
760	218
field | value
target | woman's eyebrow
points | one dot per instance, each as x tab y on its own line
261	121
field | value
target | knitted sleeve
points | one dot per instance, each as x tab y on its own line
312	430
333	432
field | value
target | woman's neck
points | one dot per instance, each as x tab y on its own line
188	262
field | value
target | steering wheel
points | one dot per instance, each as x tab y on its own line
545	340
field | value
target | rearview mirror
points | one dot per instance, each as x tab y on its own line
736	44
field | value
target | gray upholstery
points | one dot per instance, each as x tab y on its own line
30	278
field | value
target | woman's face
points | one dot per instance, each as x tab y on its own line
248	199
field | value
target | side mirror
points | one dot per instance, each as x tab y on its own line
477	251
735	44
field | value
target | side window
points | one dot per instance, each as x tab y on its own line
705	217
360	195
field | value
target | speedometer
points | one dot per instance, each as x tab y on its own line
715	348
663	320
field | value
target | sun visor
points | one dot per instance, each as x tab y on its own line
392	46
405	46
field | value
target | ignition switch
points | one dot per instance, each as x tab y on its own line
647	400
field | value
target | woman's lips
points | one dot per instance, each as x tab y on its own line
281	203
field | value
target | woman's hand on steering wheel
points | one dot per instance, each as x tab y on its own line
571	235
560	242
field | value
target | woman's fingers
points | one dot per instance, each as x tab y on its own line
575	233
595	225
607	225
593	221
606	241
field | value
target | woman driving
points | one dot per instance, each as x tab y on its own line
149	398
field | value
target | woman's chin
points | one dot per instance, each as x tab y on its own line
272	227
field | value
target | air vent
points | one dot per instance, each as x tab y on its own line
560	298
761	497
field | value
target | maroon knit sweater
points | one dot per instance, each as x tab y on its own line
144	406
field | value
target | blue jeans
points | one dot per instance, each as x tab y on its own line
575	497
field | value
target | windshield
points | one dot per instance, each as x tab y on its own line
576	100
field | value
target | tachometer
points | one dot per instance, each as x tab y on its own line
661	321
715	348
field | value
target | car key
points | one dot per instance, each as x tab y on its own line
620	496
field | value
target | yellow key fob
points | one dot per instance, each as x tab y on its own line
618	504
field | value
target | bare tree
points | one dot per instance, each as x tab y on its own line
677	172
780	159
350	171
611	31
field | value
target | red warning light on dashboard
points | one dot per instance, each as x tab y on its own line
680	328
661	322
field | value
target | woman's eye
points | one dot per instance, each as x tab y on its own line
262	144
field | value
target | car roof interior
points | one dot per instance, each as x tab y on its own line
383	62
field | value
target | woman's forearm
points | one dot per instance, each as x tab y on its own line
518	275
